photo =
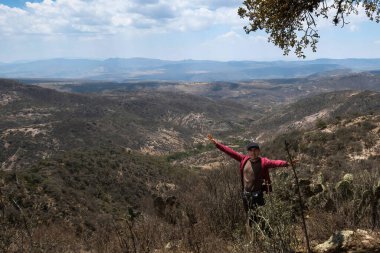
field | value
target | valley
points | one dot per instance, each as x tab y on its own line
87	159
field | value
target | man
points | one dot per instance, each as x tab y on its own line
254	171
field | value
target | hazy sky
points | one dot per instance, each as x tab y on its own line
165	29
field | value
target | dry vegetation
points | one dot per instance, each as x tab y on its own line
196	212
113	199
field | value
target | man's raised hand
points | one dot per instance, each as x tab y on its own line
209	136
296	162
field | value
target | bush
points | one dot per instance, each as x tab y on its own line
320	124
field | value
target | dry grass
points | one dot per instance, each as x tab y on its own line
206	216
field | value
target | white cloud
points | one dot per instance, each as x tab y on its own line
203	18
112	28
232	35
121	20
167	29
237	44
105	16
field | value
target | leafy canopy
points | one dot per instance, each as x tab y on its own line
292	24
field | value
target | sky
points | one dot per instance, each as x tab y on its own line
162	29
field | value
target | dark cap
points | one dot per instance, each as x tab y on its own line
253	145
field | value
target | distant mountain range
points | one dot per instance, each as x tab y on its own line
118	69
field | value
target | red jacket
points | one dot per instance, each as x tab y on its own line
265	163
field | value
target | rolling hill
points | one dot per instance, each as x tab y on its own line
76	173
36	122
261	95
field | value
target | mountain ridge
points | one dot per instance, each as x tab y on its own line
122	69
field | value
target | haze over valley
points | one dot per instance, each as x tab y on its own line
119	69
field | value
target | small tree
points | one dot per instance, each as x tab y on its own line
320	124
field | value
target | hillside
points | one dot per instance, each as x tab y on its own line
313	109
89	182
338	172
158	121
312	112
73	200
37	122
87	199
76	174
260	94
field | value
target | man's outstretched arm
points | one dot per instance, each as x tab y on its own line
229	151
279	163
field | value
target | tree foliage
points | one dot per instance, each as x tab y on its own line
292	24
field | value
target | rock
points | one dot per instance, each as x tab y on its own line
170	246
165	187
335	243
363	240
357	241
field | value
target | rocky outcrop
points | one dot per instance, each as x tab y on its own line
357	241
